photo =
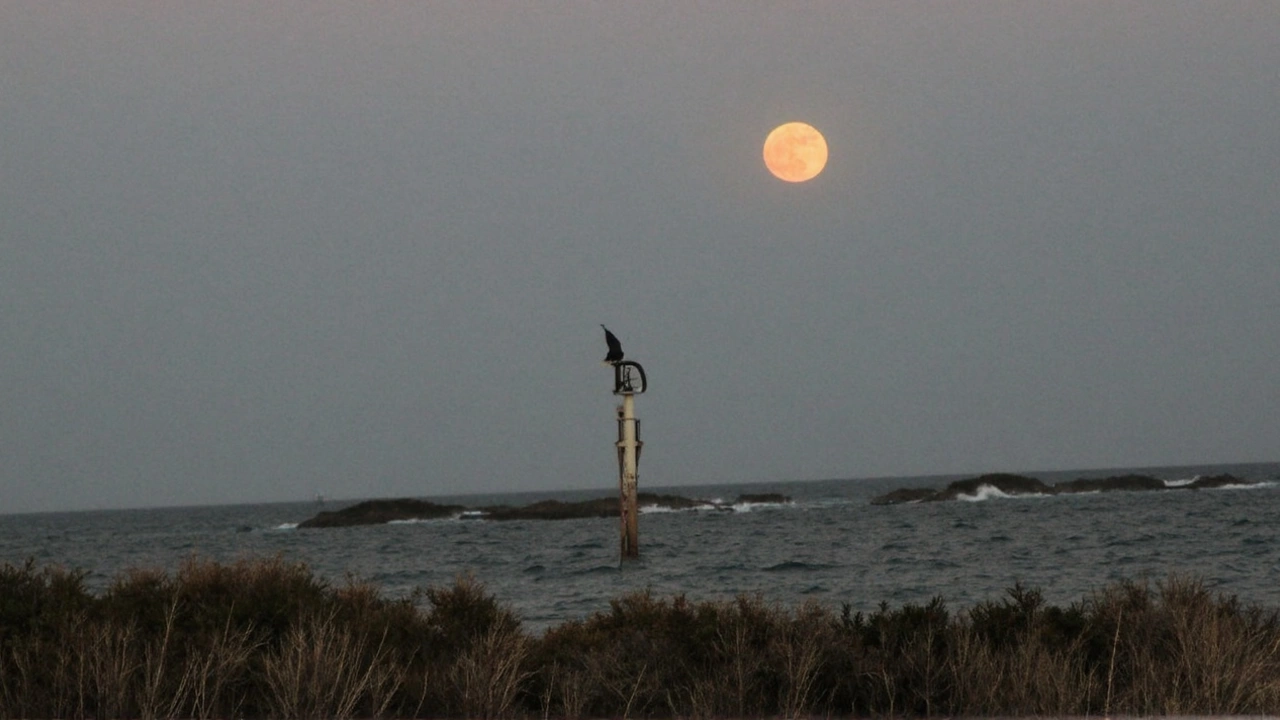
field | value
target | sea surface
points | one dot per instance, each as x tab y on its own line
829	544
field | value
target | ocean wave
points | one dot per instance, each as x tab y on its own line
714	505
984	492
1242	485
286	526
749	506
1250	486
990	492
663	509
796	566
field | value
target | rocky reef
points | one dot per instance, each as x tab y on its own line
376	512
598	507
1123	483
1009	484
1005	483
763	499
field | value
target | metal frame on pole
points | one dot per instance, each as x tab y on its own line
628	381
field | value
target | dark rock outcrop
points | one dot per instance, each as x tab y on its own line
904	495
1004	482
1020	485
1218	481
375	512
763	498
1129	483
553	510
598	507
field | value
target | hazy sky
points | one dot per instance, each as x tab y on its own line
255	251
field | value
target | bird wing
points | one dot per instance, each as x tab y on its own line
615	346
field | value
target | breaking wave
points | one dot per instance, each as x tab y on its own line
990	492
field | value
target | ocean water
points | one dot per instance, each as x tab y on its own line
830	544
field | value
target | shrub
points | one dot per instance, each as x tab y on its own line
266	638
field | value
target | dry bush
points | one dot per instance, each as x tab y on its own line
1021	657
1182	650
163	692
47	675
489	673
113	667
562	681
1224	658
899	665
268	639
469	652
43	614
267	594
217	667
1026	678
325	670
744	632
798	648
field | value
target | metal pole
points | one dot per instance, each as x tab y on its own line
628	457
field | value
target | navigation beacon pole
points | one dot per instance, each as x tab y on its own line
628	381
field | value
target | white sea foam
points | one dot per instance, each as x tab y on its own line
991	492
1234	486
286	526
984	492
658	509
749	506
1250	486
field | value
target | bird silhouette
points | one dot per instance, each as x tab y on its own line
615	348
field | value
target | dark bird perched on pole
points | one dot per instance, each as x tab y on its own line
615	348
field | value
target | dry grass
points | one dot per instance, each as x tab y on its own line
266	638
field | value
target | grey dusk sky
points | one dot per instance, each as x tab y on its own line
255	251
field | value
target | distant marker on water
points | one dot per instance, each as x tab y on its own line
628	381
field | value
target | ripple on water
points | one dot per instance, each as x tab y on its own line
795	566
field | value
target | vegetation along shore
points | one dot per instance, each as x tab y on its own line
268	638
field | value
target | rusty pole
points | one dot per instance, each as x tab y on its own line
628	459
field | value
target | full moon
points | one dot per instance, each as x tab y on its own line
795	152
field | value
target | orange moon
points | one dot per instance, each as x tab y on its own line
795	152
